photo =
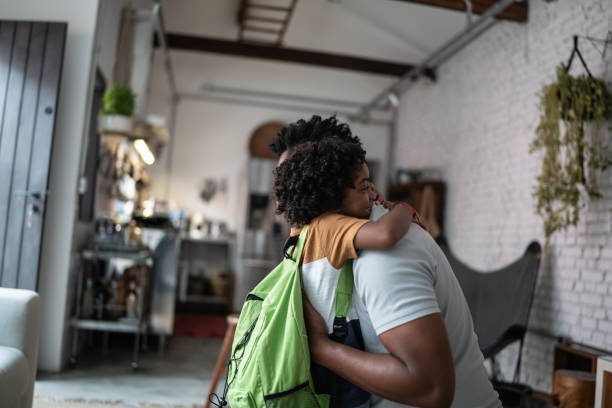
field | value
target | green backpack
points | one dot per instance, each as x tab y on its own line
270	360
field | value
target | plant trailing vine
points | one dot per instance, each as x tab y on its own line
572	112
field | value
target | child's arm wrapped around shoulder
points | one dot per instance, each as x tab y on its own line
388	229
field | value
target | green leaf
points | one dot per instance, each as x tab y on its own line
118	100
570	158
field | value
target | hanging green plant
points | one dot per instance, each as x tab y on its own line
572	111
118	100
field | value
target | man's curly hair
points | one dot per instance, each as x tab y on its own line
312	130
313	180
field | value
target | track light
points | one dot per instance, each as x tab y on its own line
393	99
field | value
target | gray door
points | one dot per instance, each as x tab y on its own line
31	57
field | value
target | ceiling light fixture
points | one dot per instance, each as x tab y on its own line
393	99
143	150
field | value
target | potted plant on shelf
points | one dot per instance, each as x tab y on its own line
572	112
117	109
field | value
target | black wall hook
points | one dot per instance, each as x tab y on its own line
576	51
605	42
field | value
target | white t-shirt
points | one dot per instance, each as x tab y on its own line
411	280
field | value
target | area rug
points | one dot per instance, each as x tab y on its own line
46	402
196	325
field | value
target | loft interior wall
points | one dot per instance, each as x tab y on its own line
75	91
475	124
211	139
212	142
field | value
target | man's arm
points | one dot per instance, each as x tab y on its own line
418	371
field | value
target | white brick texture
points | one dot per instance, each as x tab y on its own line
475	124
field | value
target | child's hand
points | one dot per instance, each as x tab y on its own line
378	197
389	205
415	216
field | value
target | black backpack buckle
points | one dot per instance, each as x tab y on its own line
340	329
290	242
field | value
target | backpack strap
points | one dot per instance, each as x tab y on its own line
344	290
299	246
344	294
297	242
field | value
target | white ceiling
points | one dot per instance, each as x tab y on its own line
381	29
388	30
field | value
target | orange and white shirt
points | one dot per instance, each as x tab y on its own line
329	243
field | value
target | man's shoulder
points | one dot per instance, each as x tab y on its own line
416	246
397	285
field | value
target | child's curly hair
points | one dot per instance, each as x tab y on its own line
313	130
312	181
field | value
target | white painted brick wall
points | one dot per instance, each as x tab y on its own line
475	124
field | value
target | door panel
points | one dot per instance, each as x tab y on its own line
31	88
10	122
20	196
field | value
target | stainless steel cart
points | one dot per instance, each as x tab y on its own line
137	326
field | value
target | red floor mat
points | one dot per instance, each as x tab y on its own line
192	325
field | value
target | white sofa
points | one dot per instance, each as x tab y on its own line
20	316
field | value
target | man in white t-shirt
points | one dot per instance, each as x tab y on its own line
421	349
420	344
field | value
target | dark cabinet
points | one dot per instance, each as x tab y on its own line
427	197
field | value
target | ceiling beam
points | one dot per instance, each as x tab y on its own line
300	56
515	12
